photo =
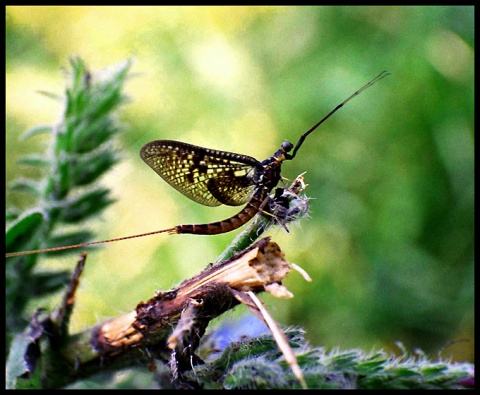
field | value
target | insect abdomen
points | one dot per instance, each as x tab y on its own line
229	224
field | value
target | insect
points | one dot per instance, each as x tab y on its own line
212	177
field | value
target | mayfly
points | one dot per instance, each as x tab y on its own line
211	177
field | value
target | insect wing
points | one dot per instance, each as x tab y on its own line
206	176
231	190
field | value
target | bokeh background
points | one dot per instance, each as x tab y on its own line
389	241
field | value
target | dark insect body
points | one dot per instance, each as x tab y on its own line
211	177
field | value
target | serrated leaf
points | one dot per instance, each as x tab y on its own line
23	230
344	360
256	373
370	367
26	185
36	130
89	168
405	371
34	160
86	205
308	358
88	137
105	104
433	369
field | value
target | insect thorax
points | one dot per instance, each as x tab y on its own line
269	175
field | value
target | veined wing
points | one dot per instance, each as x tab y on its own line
206	176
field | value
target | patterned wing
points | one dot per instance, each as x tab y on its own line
206	176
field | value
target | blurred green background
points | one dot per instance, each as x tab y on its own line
389	242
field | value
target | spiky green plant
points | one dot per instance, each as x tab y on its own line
255	363
79	154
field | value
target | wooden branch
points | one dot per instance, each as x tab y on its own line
148	329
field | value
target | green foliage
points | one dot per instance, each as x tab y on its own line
255	363
68	193
17	366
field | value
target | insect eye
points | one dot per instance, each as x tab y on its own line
287	146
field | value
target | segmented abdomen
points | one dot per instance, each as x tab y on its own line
229	224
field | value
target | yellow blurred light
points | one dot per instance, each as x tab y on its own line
450	55
217	62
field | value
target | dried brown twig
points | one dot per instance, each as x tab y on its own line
188	308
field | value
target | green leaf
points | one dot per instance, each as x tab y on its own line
46	283
256	373
86	169
23	230
51	95
88	137
26	185
86	205
36	130
18	368
34	160
71	238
